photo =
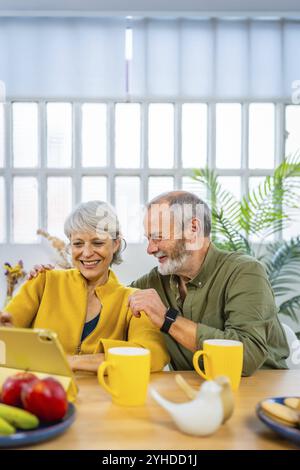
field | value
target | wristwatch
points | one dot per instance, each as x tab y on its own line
170	317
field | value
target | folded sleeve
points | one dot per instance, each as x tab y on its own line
25	304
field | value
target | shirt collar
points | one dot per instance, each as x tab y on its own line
204	272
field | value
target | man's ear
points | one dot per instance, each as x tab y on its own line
196	225
193	228
194	235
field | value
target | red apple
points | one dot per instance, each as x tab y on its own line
46	399
12	388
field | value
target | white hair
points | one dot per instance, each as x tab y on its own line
95	216
184	205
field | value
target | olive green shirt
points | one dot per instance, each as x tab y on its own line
230	298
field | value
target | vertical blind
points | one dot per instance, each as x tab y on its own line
193	58
215	59
62	57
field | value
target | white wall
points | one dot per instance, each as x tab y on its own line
136	261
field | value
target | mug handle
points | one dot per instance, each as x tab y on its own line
196	363
101	372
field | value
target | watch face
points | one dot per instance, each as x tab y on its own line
171	314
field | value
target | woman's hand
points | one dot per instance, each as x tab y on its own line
87	362
39	268
5	319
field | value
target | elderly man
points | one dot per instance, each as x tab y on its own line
200	292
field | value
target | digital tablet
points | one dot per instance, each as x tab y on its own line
38	351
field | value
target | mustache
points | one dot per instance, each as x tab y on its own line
160	254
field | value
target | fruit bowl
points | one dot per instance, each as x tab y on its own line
42	433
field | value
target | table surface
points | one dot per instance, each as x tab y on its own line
101	425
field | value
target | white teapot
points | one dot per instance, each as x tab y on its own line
201	416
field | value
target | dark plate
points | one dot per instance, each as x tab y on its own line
292	434
40	434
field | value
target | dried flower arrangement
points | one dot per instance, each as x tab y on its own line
63	260
13	275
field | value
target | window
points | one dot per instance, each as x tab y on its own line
94	134
128	135
261	135
159	184
93	188
228	135
127	197
59	135
25	209
127	153
25	135
161	135
59	203
194	135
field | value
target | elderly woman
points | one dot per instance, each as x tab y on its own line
87	306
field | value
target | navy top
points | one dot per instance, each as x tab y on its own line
89	326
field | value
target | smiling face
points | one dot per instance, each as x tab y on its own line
165	243
92	253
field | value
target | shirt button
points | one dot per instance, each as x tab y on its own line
200	284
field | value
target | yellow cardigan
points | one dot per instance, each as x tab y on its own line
57	300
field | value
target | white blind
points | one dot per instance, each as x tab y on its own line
193	58
62	57
215	58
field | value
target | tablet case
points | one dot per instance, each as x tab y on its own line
37	351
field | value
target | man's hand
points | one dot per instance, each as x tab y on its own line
37	269
148	301
5	319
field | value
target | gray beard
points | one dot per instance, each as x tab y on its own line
172	266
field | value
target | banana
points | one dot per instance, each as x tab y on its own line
19	418
5	428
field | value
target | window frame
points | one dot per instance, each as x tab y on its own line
77	171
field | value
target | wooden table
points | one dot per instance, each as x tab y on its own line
101	425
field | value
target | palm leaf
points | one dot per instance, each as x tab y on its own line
226	231
270	201
290	307
264	211
282	262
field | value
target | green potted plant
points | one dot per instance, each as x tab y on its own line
247	224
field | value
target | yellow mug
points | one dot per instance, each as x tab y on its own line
128	371
221	357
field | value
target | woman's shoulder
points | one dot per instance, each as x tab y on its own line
114	282
62	275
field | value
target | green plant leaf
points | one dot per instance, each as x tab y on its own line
290	307
263	212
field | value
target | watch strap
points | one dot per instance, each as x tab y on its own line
170	317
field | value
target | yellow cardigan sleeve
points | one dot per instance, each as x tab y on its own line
25	304
142	333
